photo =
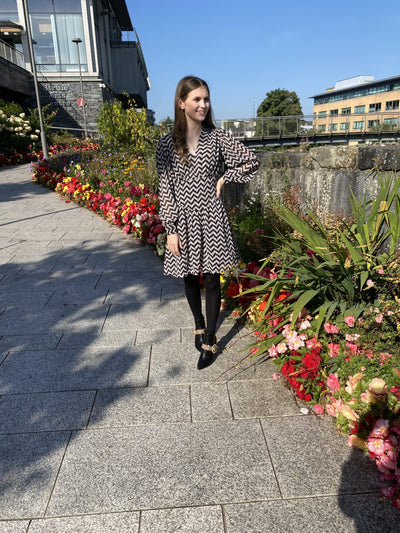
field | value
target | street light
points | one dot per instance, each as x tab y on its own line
77	40
35	81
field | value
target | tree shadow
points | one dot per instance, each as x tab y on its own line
66	333
359	496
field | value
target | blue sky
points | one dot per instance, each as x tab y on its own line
245	48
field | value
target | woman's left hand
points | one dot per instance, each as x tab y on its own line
220	184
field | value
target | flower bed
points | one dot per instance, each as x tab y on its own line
330	320
132	207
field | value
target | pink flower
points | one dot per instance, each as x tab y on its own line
281	347
333	349
349	320
370	283
388	492
333	382
318	409
273	352
376	446
381	429
381	271
379	318
275	376
330	328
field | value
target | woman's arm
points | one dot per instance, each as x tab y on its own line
242	164
168	205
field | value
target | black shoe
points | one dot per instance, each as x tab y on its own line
208	349
199	333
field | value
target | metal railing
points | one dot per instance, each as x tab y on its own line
11	54
311	125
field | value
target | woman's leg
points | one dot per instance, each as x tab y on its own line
193	295
212	286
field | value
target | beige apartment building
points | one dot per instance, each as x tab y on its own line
358	104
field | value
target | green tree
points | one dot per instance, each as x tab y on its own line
278	103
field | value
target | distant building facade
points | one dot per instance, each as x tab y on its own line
108	66
358	104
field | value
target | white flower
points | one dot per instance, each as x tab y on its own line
37	131
22	115
34	137
304	411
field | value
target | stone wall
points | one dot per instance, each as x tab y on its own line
325	174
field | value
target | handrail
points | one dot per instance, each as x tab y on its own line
301	125
11	54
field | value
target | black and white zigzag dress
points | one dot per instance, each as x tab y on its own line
189	205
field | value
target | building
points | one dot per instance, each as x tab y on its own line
358	104
74	41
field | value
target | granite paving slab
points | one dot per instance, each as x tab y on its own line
157	336
257	399
30	342
176	363
315	459
76	296
37	319
58	370
28	468
210	401
313	515
110	339
45	412
162	315
183	520
140	406
174	465
14	526
101	523
24	298
374	515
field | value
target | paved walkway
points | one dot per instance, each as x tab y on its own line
107	425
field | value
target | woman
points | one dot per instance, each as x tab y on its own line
193	164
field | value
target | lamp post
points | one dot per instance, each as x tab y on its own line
77	40
35	81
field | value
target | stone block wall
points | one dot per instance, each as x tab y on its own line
324	175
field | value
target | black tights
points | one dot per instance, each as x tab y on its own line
213	298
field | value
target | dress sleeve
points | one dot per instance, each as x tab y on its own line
242	164
168	205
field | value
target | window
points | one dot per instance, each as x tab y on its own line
322	114
322	128
373	124
390	122
373	108
333	112
394	104
332	127
359	109
9	11
346	110
54	25
344	126
359	125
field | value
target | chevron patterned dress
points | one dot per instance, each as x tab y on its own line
189	205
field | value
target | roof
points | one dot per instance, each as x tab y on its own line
122	14
365	84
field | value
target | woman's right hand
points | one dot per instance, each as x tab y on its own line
174	244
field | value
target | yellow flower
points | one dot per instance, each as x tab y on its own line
378	386
349	413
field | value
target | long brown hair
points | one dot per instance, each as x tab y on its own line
184	87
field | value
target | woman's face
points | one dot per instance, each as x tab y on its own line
196	105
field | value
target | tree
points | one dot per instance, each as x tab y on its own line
280	103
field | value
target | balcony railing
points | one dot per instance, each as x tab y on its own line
11	54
